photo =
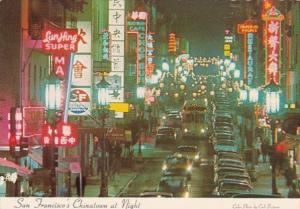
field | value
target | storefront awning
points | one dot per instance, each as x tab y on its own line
7	166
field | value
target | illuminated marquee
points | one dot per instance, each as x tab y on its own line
273	20
140	27
228	40
250	63
248	28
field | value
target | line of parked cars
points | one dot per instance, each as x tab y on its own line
230	173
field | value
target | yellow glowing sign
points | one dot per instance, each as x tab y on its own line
119	107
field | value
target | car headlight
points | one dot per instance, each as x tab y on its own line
189	168
164	167
202	130
197	157
186	194
185	130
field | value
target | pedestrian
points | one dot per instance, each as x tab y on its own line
258	149
290	176
118	151
264	151
83	184
294	193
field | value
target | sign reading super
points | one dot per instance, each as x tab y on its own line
80	101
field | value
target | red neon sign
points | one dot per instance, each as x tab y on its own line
273	40
64	135
61	41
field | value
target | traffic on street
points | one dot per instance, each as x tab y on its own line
150	98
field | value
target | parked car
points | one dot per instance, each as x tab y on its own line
222	171
177	185
165	135
256	195
228	185
225	145
237	176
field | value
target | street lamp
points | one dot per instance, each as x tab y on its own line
53	102
102	102
272	105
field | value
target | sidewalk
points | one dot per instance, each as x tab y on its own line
263	184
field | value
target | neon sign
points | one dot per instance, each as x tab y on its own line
64	135
273	20
250	62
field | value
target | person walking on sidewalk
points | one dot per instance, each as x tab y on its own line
264	150
83	184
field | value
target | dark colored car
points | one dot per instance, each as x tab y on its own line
177	185
165	135
177	164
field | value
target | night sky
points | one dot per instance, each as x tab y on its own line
201	21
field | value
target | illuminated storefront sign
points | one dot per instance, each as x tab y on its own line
64	135
140	27
150	54
248	30
172	43
250	63
80	101
116	24
81	70
273	20
137	15
106	45
228	40
60	41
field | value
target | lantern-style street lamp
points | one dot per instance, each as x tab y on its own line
102	103
53	102
272	105
253	95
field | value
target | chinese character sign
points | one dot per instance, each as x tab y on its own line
150	54
64	135
116	24
82	70
273	40
106	45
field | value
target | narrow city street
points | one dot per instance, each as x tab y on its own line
150	98
202	178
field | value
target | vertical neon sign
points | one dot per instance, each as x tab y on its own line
273	20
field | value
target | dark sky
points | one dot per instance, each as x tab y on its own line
201	21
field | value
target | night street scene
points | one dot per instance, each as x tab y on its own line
150	98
